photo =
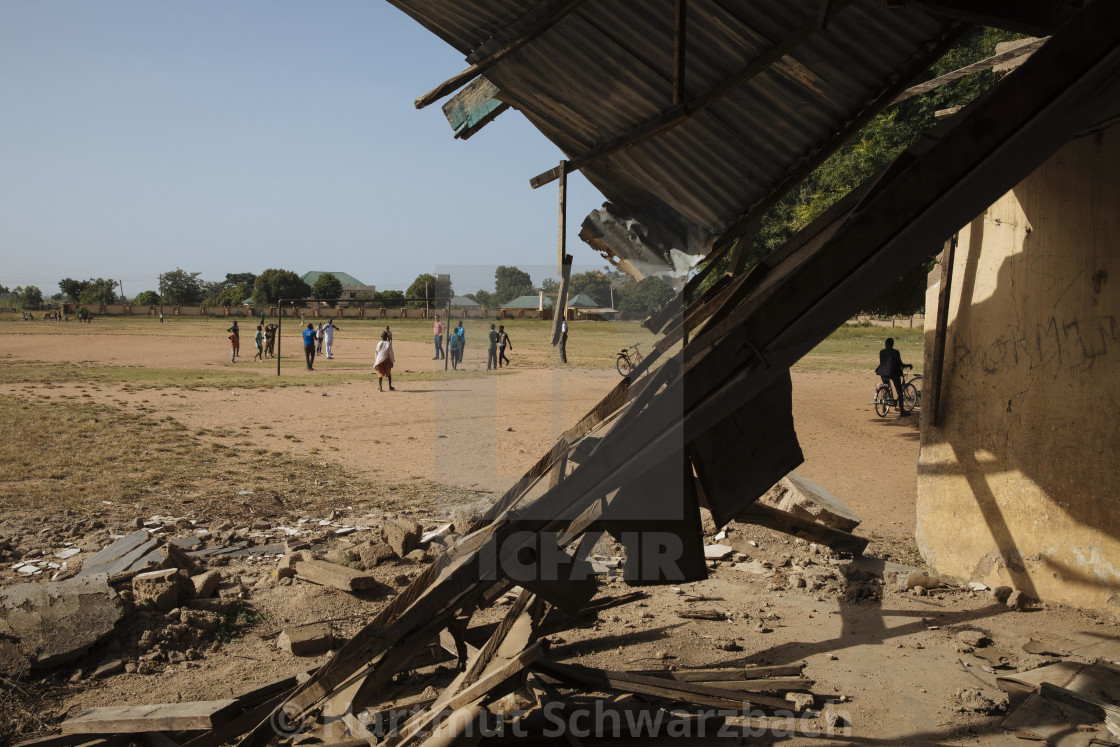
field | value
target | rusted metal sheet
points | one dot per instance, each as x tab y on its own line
608	67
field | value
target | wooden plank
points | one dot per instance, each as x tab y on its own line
334	575
689	692
232	729
722	675
1027	47
932	389
191	716
765	685
560	309
460	79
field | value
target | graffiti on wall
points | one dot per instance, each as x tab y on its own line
1049	349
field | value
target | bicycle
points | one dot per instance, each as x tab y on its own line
911	395
627	362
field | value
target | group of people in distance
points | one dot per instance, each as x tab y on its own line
497	341
318	340
264	339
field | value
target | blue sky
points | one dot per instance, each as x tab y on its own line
136	137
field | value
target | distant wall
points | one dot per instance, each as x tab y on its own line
1019	486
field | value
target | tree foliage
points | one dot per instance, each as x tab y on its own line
273	284
643	297
389	299
511	282
428	285
485	299
71	287
26	298
593	283
327	287
146	298
98	291
182	288
875	146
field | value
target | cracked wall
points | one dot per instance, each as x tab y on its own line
1018	486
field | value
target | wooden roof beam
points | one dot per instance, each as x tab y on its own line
680	112
1034	17
1027	47
456	82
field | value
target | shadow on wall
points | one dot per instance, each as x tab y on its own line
1030	390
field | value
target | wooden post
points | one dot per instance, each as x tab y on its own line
562	241
932	391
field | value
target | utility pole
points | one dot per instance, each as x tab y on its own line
123	297
161	296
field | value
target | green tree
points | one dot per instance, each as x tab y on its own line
327	287
876	145
72	288
389	299
146	298
429	286
234	296
510	282
98	291
272	285
594	283
29	297
550	286
182	288
643	297
485	299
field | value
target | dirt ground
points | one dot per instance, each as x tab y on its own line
889	660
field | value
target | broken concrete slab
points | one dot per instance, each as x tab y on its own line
717	552
306	640
46	624
374	553
401	534
162	589
205	584
802	497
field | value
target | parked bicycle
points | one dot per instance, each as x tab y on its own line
911	394
627	360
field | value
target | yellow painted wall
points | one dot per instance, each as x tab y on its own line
1019	485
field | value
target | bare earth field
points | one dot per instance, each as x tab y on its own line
310	443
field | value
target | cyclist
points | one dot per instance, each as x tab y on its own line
890	370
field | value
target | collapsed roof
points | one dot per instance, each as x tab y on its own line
692	117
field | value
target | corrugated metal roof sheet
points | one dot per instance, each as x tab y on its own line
607	67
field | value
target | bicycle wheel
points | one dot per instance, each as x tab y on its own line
912	397
882	401
623	365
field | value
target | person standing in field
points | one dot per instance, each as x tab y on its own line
383	361
270	341
309	346
437	333
233	348
328	337
564	341
236	339
455	347
492	349
258	338
319	339
503	341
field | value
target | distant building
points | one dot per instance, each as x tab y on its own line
351	286
462	302
535	301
